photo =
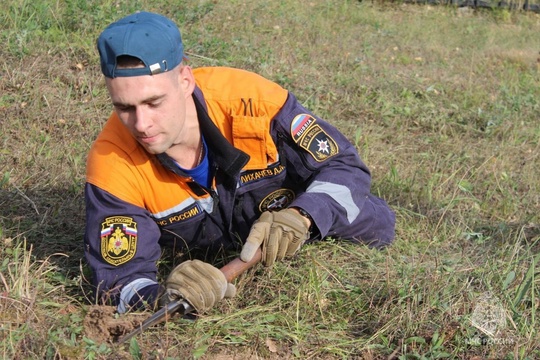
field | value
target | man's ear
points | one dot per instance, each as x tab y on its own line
187	80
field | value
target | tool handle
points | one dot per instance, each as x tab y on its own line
236	267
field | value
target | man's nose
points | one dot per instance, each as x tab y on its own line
141	120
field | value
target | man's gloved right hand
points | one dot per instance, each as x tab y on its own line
199	283
280	233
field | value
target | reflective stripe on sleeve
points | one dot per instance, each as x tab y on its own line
339	193
207	204
130	290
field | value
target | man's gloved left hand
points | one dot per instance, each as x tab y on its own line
280	233
200	283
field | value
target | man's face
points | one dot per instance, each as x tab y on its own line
152	107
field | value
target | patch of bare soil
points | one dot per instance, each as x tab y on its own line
103	325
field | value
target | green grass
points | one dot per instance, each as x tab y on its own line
443	105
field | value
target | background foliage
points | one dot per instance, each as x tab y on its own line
443	105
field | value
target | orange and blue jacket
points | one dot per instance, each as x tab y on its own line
266	152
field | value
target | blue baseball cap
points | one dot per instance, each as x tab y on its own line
152	38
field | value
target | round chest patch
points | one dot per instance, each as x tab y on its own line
277	200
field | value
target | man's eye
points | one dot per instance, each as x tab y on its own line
123	108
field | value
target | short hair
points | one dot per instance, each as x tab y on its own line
128	62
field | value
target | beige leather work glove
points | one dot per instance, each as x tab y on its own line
199	283
280	234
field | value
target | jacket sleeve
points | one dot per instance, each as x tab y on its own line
121	248
338	195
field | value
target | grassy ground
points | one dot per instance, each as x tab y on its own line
443	105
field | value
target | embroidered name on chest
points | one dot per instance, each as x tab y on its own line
250	176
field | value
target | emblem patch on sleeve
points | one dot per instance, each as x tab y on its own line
311	137
318	143
118	239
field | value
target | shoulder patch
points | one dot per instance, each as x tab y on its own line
311	137
118	239
317	142
300	124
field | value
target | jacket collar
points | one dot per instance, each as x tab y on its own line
228	158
